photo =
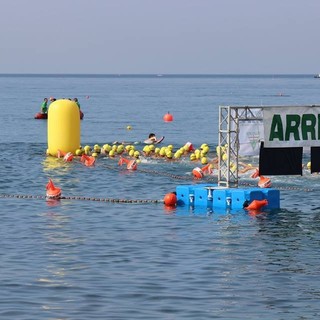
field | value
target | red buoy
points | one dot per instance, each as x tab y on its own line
168	117
53	192
197	173
257	204
264	182
170	199
88	160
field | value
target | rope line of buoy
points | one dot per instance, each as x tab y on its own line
211	179
154	172
166	174
113	200
248	184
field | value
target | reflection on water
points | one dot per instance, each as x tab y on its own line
61	245
52	163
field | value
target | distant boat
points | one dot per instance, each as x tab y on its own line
44	116
317	75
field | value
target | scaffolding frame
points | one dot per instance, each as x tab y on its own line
229	144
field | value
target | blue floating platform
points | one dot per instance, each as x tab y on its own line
216	198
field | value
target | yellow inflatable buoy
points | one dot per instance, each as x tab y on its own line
63	127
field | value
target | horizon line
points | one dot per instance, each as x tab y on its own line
156	74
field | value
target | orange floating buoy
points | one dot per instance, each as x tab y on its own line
67	157
131	164
88	160
264	182
170	199
257	204
168	117
197	173
53	192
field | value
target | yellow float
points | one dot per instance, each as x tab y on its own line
63	127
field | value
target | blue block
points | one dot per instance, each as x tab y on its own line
212	197
184	193
255	194
273	197
201	197
238	198
221	198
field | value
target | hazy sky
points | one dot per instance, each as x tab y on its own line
159	36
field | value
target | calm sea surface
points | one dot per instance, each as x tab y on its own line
84	259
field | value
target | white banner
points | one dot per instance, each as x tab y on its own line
291	126
250	135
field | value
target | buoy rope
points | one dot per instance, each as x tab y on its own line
113	200
213	179
248	184
166	174
158	173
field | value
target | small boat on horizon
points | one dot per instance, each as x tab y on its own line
317	75
44	116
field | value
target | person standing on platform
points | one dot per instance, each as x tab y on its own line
77	102
44	106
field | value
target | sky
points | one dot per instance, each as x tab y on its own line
160	36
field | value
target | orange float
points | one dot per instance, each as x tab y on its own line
88	160
53	192
67	157
170	199
131	164
257	204
168	117
199	173
264	182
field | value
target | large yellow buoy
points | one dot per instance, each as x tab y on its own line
63	127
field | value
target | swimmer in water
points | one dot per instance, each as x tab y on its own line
152	137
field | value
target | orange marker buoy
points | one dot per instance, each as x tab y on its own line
264	182
168	117
67	157
88	160
257	204
53	192
198	173
131	164
170	199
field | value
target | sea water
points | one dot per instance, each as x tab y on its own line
80	259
